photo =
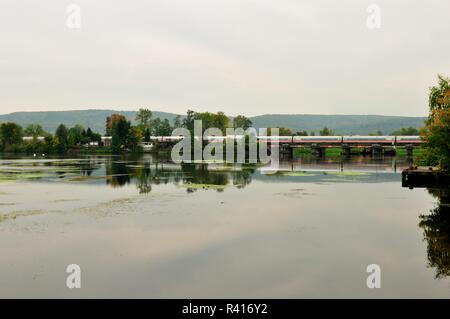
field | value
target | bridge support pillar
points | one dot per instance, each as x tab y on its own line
409	150
286	151
318	151
346	150
377	150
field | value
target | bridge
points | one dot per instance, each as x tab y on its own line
375	145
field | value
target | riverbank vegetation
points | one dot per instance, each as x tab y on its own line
436	133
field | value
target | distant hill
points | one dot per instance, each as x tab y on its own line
95	119
341	124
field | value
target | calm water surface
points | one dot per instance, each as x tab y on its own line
142	228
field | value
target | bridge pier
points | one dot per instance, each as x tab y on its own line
318	151
287	151
377	150
346	150
409	150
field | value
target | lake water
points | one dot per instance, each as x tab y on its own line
145	228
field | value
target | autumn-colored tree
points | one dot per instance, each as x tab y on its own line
436	133
111	121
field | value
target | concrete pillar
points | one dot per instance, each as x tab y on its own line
346	150
318	151
377	150
409	150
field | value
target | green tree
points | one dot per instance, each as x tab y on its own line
326	132
147	135
188	121
436	133
282	131
144	118
61	138
177	122
134	138
11	134
35	130
406	131
241	121
120	131
111	122
76	135
439	96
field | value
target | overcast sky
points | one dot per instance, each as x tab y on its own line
238	56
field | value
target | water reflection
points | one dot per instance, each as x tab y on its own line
145	171
316	219
436	232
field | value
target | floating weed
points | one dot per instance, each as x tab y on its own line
346	173
86	178
24	213
11	177
205	186
295	174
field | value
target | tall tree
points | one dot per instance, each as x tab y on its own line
241	121
326	132
406	131
144	118
11	133
439	96
177	122
61	137
111	121
436	133
34	130
188	121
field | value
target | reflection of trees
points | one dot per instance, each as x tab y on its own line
200	175
242	178
436	227
117	172
143	176
146	176
88	167
147	173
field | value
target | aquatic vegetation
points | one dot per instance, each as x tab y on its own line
24	213
86	178
346	173
206	186
11	177
294	174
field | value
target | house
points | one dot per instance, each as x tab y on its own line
106	141
32	138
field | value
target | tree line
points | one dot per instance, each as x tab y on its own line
39	141
128	137
436	133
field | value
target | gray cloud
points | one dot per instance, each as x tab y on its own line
238	56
